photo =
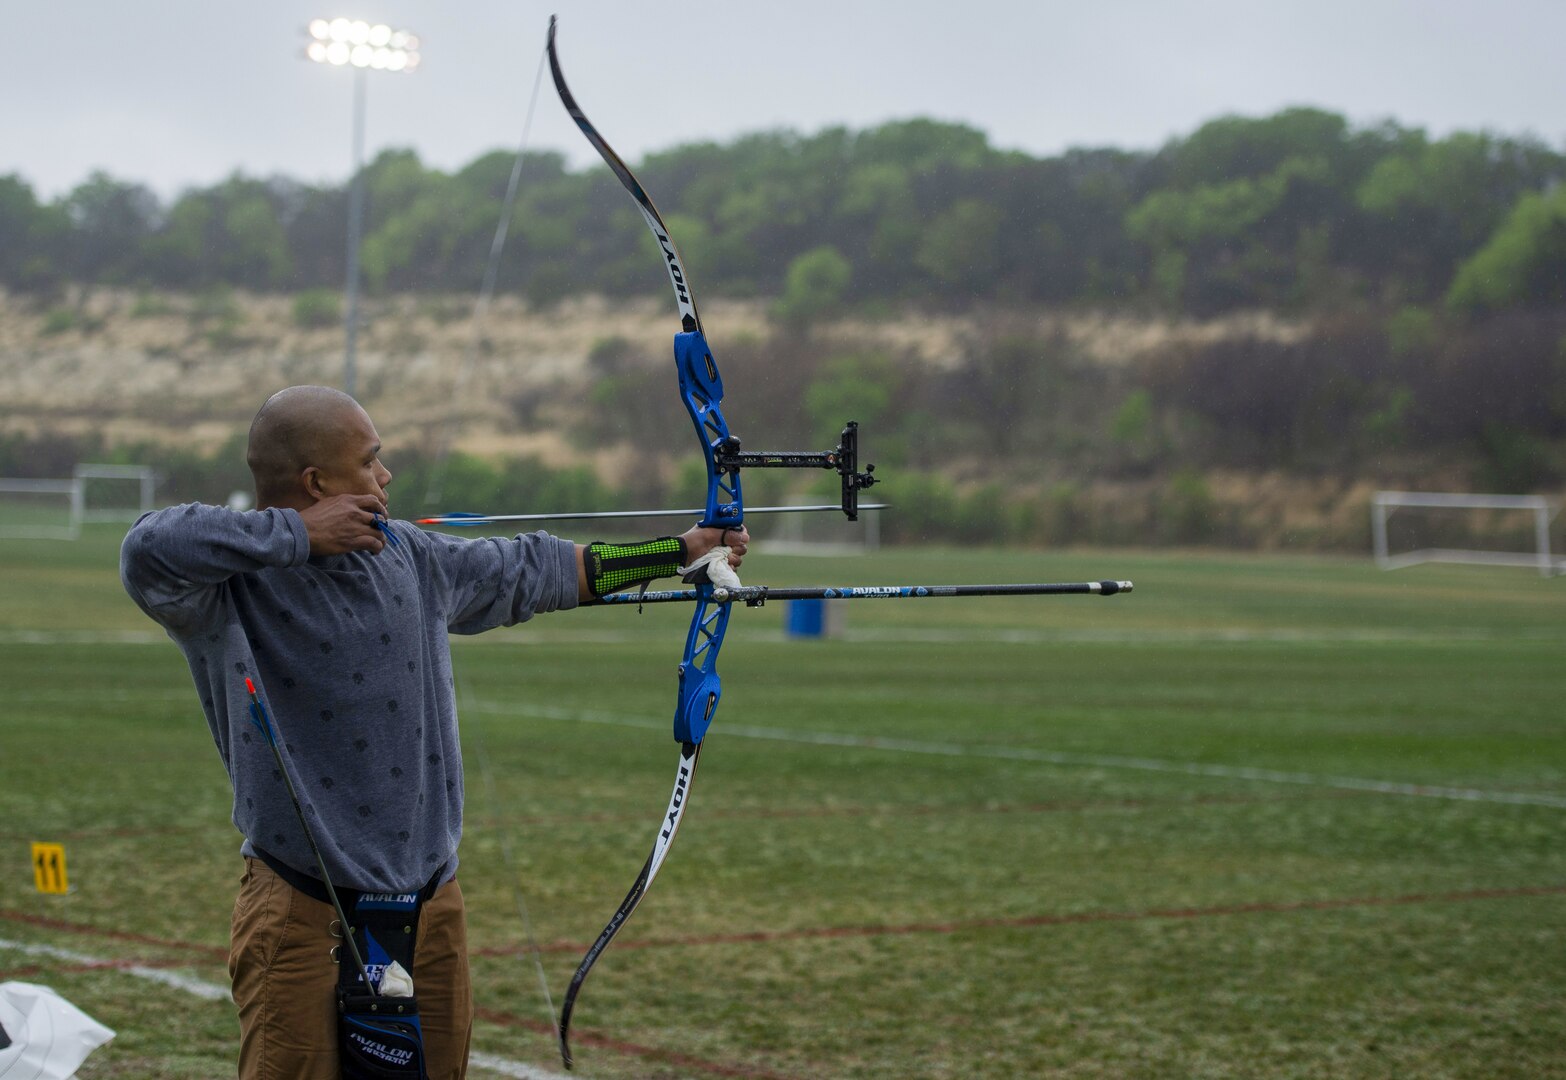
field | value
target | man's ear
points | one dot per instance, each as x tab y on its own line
310	480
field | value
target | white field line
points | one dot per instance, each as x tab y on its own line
1057	757
210	991
188	983
81	637
1214	635
1221	635
1051	757
507	1067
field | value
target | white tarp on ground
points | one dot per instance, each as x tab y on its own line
50	1037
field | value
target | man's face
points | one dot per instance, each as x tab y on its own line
353	464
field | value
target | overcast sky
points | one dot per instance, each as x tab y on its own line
184	92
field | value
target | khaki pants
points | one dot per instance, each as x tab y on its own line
285	982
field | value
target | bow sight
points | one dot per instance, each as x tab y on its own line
845	459
701	388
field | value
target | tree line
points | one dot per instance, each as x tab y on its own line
1300	210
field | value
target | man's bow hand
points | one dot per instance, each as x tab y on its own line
699	541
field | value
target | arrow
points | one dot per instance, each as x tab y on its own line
463	520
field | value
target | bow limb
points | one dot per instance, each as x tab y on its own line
671	255
685	775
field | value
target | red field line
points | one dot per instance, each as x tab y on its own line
714	1068
76	969
115	832
1068	919
219	952
933	809
132	832
46	923
581	1037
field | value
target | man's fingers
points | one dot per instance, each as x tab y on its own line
370	504
371	542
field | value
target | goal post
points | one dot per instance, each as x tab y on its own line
32	509
1544	510
56	509
96	480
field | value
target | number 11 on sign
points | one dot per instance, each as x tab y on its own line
49	868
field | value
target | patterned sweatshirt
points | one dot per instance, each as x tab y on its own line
350	655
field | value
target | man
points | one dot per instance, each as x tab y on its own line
340	617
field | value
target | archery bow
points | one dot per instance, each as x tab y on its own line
701	390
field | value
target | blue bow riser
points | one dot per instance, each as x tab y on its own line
701	388
700	686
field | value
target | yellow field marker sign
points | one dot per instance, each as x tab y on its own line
49	868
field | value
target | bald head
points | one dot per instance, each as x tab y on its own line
297	428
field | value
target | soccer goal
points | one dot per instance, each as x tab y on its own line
115	492
1448	527
35	509
40	509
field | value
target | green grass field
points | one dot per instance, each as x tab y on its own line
1265	817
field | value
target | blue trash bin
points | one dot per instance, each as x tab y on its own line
805	619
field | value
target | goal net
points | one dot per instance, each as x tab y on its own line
56	509
1412	527
40	509
115	492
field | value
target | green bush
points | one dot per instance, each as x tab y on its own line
1522	263
814	287
58	321
148	306
315	309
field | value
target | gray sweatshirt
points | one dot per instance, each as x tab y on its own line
350	655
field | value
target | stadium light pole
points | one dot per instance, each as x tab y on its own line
363	47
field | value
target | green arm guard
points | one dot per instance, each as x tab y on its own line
611	567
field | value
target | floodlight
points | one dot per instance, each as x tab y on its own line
355	43
363	46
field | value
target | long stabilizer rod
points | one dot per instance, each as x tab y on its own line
756	595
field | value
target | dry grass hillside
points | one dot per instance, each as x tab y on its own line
190	369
